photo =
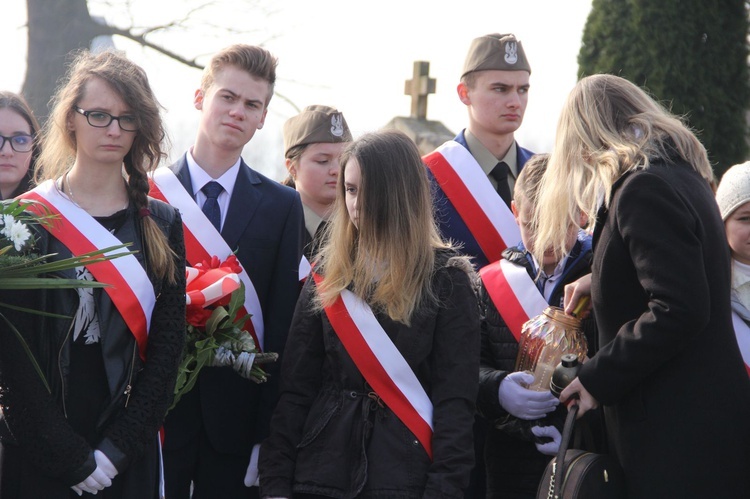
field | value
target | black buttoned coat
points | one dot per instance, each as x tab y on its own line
668	371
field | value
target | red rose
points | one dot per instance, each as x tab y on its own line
210	264
197	316
232	264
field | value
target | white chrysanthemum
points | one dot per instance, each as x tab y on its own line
18	235
7	221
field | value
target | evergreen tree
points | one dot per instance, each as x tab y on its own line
689	54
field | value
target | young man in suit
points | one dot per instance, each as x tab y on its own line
212	437
485	157
474	174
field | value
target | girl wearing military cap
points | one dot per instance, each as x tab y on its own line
313	142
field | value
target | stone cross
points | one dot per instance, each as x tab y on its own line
419	87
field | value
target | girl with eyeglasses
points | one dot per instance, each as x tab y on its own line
18	145
109	355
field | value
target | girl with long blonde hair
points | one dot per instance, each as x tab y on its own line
668	371
109	356
382	254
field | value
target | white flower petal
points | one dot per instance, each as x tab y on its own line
19	234
7	225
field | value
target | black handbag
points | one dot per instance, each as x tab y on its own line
583	475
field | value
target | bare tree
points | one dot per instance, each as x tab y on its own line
58	28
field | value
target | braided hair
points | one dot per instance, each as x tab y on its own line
130	82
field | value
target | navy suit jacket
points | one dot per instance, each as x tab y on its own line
264	225
451	224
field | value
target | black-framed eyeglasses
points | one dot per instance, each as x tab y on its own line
19	143
100	119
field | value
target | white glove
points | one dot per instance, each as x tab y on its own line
547	448
103	462
251	476
522	402
95	482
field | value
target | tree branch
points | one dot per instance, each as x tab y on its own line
141	39
178	23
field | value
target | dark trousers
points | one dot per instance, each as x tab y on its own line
212	474
477	482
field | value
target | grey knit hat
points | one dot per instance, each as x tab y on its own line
734	189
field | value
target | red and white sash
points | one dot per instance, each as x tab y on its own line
202	240
469	190
381	364
514	294
742	332
493	226
129	287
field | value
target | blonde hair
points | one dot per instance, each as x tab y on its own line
389	261
527	185
256	61
607	127
130	82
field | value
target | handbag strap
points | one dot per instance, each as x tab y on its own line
555	489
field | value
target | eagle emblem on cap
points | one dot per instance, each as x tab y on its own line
337	125
511	52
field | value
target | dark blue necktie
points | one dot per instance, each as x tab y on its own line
211	205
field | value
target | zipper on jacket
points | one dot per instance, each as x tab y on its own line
129	388
59	368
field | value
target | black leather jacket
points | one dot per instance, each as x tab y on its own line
140	391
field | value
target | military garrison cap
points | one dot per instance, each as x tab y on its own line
496	51
313	125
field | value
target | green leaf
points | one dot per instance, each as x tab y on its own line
214	322
33	311
47	283
237	299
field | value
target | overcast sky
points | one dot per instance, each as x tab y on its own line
353	55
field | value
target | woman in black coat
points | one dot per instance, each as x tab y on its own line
668	371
